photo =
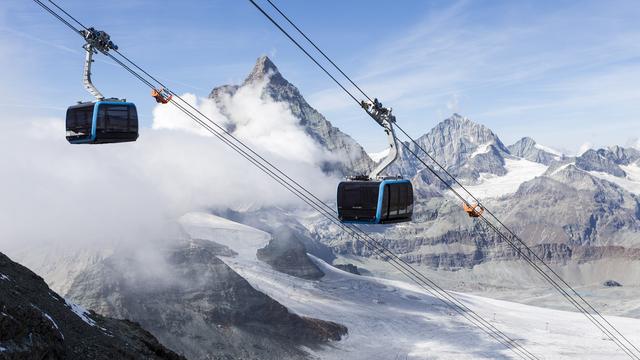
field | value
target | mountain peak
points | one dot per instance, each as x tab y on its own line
263	67
464	124
458	118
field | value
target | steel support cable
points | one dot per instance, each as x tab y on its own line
255	163
331	209
399	264
68	15
377	249
535	266
303	50
455	180
50	11
531	253
317	48
323	210
508	342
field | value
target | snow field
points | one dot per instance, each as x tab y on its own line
390	319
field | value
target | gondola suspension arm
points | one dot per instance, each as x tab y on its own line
384	118
96	41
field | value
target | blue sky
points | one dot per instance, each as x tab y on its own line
564	72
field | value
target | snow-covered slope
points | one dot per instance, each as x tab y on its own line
377	156
240	238
631	182
390	319
518	171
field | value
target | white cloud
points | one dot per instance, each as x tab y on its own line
53	192
266	125
633	143
452	104
584	148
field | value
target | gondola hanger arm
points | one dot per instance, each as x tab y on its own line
384	117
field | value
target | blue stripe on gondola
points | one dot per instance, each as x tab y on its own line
378	218
94	120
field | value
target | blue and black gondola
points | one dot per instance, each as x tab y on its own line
375	202
102	122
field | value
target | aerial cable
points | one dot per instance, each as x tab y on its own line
68	15
316	47
355	231
49	10
509	343
385	253
522	243
120	63
334	219
540	271
304	50
517	248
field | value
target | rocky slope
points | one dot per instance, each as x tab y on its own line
37	323
570	213
465	148
350	157
198	306
527	148
287	254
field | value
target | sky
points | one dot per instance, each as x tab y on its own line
563	72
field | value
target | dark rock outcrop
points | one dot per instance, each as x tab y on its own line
271	220
612	283
526	148
287	254
36	323
593	160
198	306
348	268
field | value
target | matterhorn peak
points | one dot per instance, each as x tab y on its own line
264	67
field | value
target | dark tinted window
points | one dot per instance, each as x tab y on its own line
394	199
397	200
360	196
117	118
79	120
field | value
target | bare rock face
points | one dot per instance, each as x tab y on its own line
612	283
526	149
607	160
36	323
593	160
351	157
463	147
287	254
198	306
348	268
276	221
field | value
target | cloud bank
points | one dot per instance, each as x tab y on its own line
56	193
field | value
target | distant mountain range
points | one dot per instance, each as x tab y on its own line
580	213
570	209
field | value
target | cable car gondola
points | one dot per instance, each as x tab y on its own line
375	202
373	199
101	122
105	120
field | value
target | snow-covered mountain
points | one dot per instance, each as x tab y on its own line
464	147
191	292
527	148
393	319
349	156
243	279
